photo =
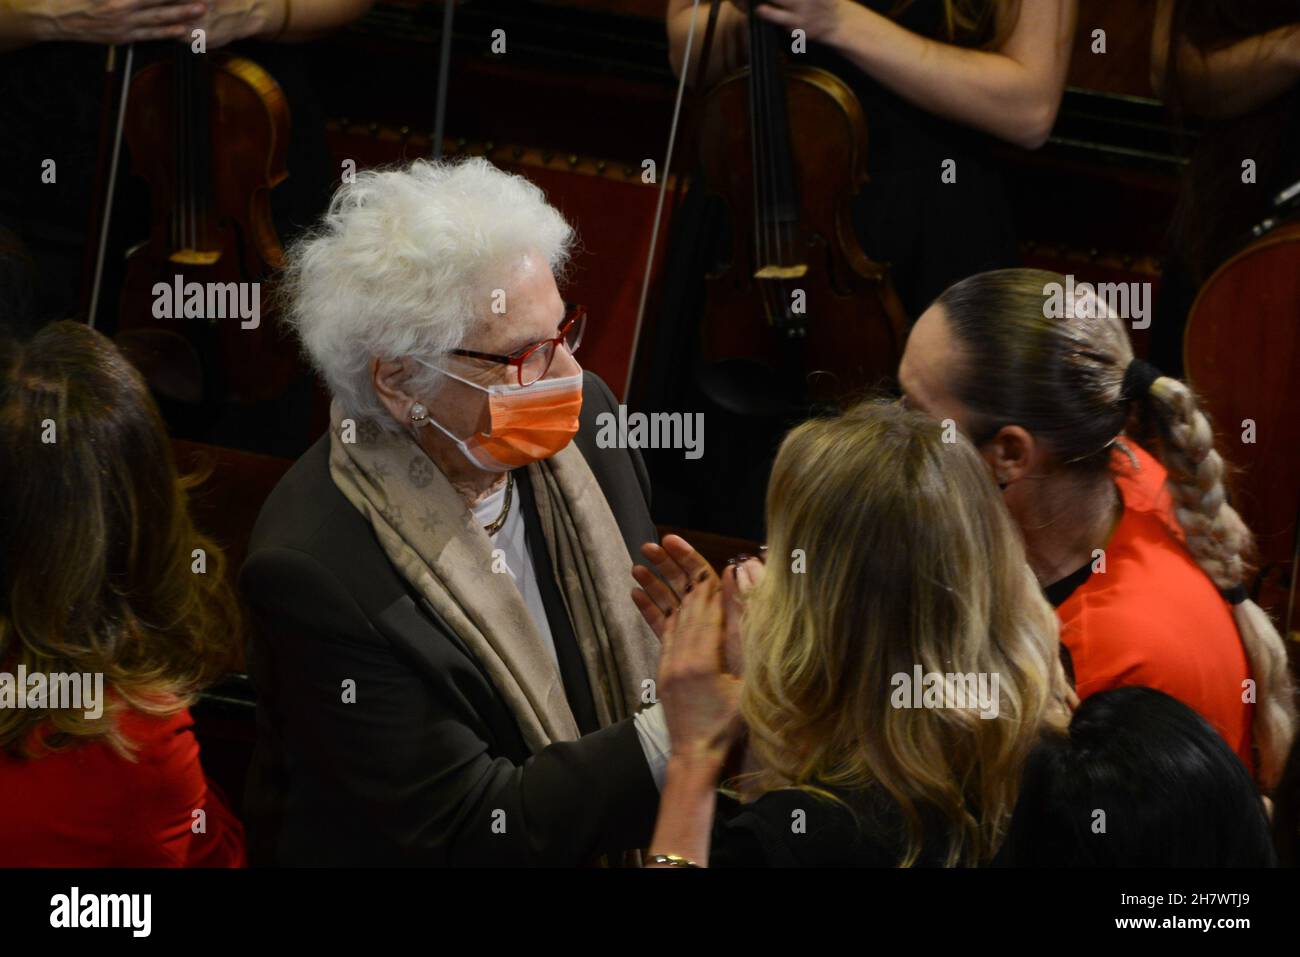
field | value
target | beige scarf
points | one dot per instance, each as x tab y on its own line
432	538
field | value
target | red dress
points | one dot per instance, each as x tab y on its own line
1154	617
86	806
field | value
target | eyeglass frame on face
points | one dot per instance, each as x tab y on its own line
574	314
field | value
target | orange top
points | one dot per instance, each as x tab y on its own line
1154	617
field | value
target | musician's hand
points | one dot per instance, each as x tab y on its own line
678	565
229	20
819	19
109	22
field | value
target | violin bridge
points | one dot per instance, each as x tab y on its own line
195	257
782	272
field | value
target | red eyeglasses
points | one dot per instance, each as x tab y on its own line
533	362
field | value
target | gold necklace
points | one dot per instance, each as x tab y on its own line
500	520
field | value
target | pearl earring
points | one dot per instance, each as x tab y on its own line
419	414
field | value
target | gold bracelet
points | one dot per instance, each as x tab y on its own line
672	860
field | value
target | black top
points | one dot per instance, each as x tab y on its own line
932	233
1059	591
772	831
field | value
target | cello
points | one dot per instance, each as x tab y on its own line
800	314
208	133
1242	355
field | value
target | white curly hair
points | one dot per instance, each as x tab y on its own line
398	264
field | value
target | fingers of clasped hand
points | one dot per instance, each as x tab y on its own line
679	567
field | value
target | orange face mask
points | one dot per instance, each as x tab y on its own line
528	423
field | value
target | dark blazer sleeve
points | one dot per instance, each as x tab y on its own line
405	773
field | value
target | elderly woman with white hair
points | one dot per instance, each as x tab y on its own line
450	667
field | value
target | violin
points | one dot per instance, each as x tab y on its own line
800	314
1242	355
208	133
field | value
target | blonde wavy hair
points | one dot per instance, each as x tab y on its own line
911	559
96	544
1062	380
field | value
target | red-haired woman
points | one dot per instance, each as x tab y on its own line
107	631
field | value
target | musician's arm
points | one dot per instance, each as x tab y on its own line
1013	92
18	28
307	19
1230	81
730	43
27	22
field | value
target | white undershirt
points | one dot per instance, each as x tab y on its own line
512	540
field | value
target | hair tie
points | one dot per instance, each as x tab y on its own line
1234	595
1137	380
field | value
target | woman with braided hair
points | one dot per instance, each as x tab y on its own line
1129	532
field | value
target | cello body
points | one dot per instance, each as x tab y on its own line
209	134
1242	355
800	314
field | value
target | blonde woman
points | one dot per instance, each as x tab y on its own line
890	561
1132	539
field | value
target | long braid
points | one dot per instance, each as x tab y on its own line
1220	542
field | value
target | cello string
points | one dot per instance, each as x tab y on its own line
112	182
444	64
755	136
778	143
770	169
1295	577
663	185
772	81
202	147
180	116
761	64
178	161
191	153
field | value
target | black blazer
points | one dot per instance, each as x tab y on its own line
428	766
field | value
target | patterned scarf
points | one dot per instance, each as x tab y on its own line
432	538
